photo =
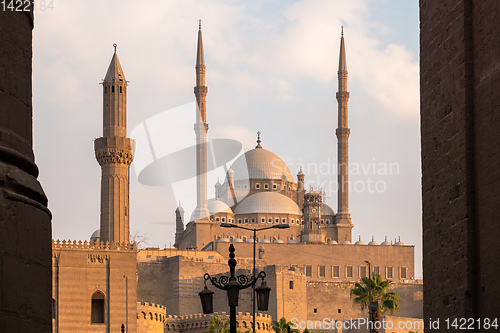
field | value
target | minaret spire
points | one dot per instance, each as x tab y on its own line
201	129
343	217
114	152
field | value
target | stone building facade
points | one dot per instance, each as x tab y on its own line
460	119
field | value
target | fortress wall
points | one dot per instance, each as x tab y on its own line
150	318
300	255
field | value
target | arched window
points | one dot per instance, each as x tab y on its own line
112	89
120	89
97	316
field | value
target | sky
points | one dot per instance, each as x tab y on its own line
271	66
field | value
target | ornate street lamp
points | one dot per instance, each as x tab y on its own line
207	300
263	292
233	284
275	226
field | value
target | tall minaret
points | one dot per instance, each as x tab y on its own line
343	217
201	128
114	152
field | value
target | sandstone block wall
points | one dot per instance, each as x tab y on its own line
460	103
81	269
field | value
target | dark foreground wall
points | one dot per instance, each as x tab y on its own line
25	229
460	128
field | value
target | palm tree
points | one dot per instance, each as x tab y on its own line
283	326
216	326
382	300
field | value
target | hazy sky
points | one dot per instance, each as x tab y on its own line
271	67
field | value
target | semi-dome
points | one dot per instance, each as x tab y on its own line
214	206
326	210
96	234
260	163
217	206
267	203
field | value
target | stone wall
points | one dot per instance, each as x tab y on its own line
175	281
460	101
80	270
25	228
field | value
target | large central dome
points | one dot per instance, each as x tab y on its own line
260	163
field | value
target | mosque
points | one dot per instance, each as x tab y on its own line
311	264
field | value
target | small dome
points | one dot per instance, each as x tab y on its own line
223	240
265	240
311	193
267	203
301	173
399	242
326	210
179	209
96	234
278	241
372	242
385	242
346	242
250	240
291	241
359	242
332	241
238	240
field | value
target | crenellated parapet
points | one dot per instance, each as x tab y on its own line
119	150
79	245
150	317
197	323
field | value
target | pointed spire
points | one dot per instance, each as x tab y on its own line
200	60
258	140
342	57
115	72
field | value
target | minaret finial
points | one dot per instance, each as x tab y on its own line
342	31
199	24
258	140
115	45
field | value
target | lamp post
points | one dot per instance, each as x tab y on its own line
233	284
369	293
276	226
